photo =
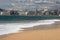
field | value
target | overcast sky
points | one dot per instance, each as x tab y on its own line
6	3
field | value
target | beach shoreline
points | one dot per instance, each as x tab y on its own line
41	32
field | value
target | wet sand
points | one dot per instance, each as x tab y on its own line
45	32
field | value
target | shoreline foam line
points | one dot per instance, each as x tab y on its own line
7	28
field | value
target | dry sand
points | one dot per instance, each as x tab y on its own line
46	34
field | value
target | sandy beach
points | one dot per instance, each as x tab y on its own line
46	32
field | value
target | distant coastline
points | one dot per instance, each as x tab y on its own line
44	12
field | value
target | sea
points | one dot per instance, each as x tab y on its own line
7	27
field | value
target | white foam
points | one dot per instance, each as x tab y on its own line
6	28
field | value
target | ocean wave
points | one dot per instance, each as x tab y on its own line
7	28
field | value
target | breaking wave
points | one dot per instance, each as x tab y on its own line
7	28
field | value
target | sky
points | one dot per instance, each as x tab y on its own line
20	4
